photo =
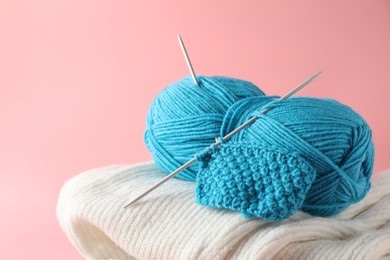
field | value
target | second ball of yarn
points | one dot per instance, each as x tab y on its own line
335	140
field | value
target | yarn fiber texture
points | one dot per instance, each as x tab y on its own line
262	181
184	119
333	139
306	153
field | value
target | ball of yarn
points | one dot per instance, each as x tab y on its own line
331	137
184	119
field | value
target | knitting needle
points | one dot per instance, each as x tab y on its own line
218	143
289	94
183	49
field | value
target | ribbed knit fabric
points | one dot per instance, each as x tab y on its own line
168	224
267	182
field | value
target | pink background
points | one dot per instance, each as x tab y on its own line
77	77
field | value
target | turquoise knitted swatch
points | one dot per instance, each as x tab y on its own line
266	182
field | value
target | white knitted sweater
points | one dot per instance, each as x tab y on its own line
168	224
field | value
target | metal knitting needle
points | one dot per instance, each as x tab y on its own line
225	138
183	48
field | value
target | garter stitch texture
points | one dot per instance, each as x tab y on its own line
266	182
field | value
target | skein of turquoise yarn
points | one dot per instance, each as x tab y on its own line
184	119
335	140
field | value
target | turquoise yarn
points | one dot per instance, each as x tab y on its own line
184	119
312	154
263	181
331	137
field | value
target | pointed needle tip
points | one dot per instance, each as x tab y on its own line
183	49
180	40
316	75
128	205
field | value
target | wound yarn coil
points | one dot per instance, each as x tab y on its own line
184	119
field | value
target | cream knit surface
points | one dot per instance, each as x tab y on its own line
169	225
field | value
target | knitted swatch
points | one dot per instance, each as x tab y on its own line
266	182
